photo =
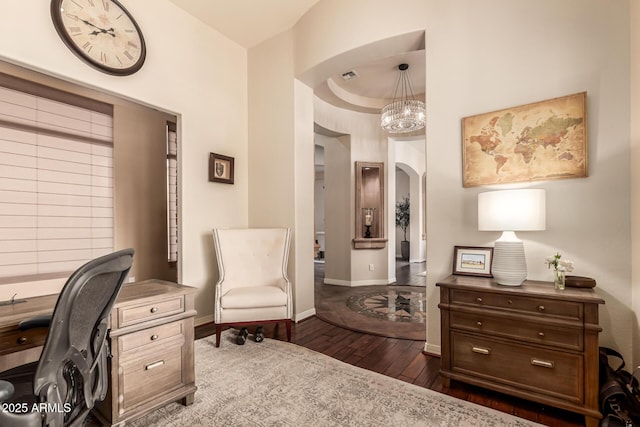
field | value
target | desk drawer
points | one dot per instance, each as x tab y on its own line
542	306
151	375
158	334
525	331
17	340
132	315
544	371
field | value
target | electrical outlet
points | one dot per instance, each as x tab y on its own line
370	267
132	279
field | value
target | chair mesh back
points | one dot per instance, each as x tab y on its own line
73	357
88	309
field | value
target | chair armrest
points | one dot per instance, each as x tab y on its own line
6	390
43	321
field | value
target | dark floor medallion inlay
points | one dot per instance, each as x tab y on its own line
397	306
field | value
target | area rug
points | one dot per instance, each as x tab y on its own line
391	305
358	310
276	383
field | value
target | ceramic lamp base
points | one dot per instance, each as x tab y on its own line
509	264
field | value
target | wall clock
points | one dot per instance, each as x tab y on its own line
100	32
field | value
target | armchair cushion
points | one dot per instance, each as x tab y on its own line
254	297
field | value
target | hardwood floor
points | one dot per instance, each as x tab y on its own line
404	360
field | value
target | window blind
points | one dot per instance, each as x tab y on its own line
172	193
56	186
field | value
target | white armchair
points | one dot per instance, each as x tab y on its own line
253	287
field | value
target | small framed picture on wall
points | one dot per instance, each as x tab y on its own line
220	168
472	261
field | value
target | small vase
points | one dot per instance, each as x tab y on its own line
558	279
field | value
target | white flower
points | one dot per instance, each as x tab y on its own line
558	264
566	265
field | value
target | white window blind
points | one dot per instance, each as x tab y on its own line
56	186
172	193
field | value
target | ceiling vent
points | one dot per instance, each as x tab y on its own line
349	75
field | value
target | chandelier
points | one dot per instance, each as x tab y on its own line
405	113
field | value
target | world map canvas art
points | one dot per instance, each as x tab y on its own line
540	141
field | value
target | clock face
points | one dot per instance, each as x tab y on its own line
101	32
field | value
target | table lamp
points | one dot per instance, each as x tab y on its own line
510	211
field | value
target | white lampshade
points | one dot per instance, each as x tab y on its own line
509	211
512	210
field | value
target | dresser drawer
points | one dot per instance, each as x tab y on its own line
553	373
151	375
524	331
131	315
543	306
15	339
158	334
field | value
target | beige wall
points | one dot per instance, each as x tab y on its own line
191	71
365	144
409	155
140	189
635	176
280	171
338	199
478	59
304	224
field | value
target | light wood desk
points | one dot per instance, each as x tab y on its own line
151	337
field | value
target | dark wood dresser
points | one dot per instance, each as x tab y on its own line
529	341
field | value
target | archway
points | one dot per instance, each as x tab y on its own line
357	266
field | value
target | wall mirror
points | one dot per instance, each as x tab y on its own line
369	208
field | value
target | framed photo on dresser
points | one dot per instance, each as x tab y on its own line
472	261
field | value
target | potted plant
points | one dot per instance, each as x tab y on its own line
402	221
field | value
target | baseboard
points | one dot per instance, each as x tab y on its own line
199	321
356	283
304	315
432	349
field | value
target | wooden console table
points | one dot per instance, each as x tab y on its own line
151	338
528	341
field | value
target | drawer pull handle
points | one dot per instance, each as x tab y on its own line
479	323
543	363
479	300
154	309
21	340
509	302
154	365
541	334
541	308
481	350
154	337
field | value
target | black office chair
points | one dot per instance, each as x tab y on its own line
61	388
